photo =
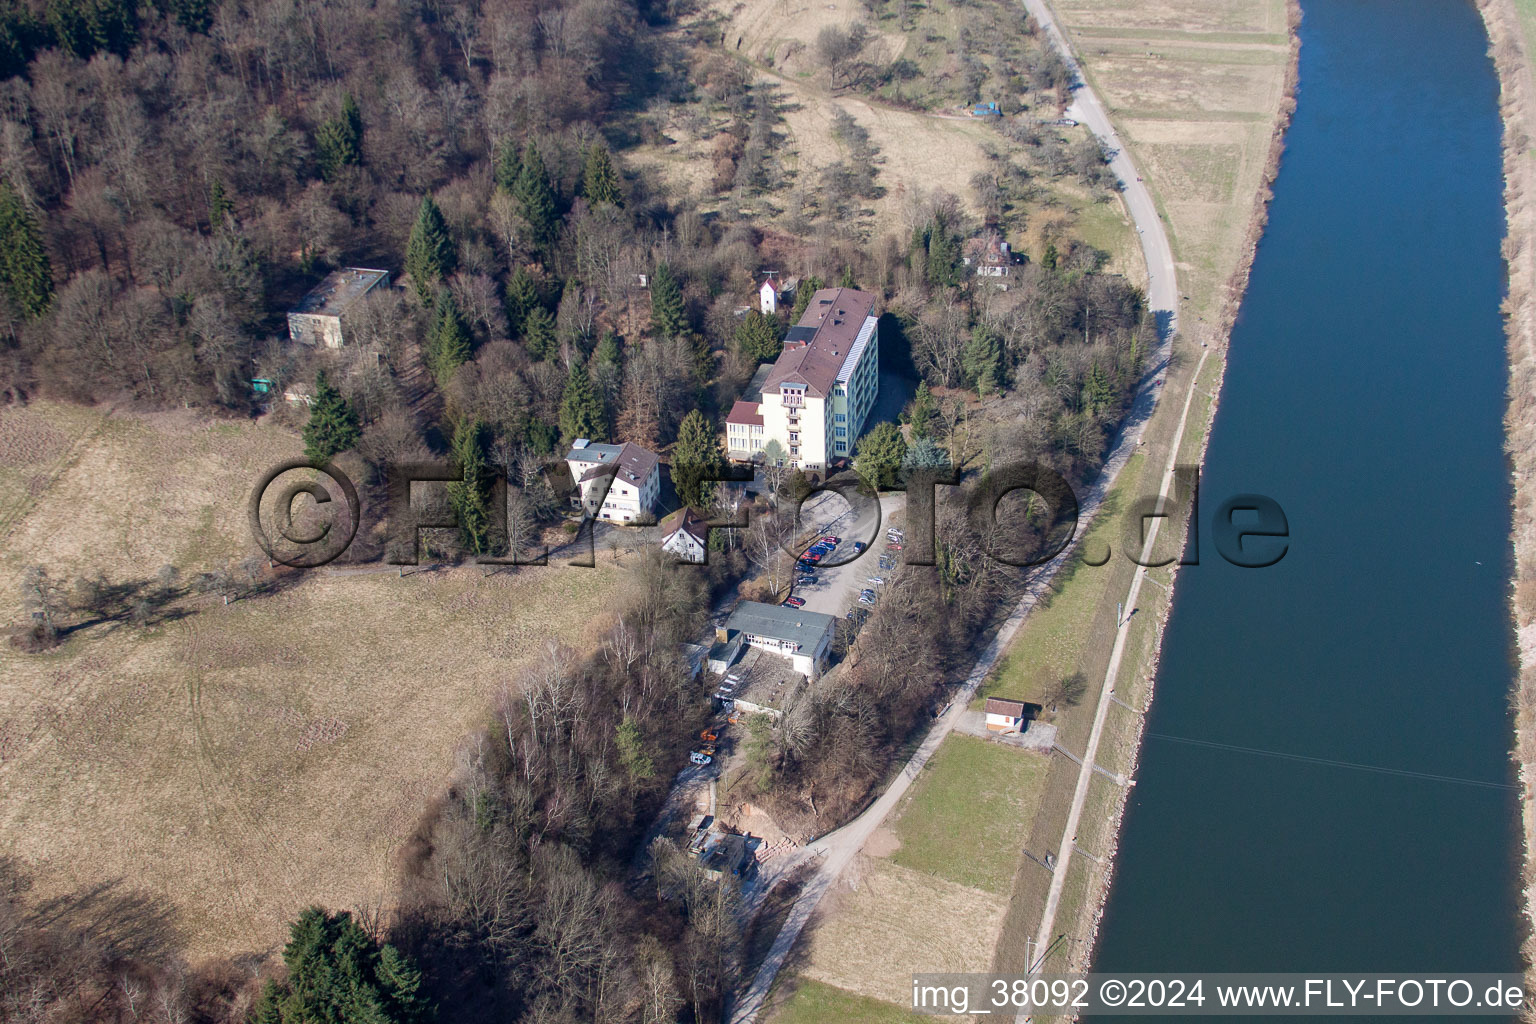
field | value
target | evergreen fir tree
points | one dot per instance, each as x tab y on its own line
332	425
400	981
696	461
269	1007
917	253
541	436
1049	258
340	140
448	341
923	410
599	181
522	296
943	257
193	15
667	316
509	166
608	352
539	334
220	205
25	271
847	281
337	973
879	454
470	494
581	409
431	256
536	195
982	360
925	453
807	288
1098	392
758	337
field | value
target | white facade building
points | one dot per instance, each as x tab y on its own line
684	534
818	397
616	482
802	637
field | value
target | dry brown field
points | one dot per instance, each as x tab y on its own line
241	762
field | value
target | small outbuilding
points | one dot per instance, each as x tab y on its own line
685	534
1005	715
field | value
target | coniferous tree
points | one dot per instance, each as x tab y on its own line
608	352
581	408
431	256
470	494
982	360
599	181
943	257
400	981
340	140
924	453
696	460
448	341
539	336
25	271
269	1007
758	337
879	454
193	15
537	198
923	410
338	974
667	316
807	288
220	205
332	425
1098	392
522	296
847	281
1049	258
509	165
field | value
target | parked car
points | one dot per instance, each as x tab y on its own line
708	750
878	581
805	580
709	736
830	540
794	602
866	598
858	546
698	758
895	546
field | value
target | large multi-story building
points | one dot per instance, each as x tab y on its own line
816	399
616	482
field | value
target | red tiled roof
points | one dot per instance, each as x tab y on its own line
1010	708
745	412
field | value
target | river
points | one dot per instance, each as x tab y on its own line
1364	393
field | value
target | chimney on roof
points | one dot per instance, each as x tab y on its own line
580	443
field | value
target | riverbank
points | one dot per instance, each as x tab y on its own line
1183	441
1511	26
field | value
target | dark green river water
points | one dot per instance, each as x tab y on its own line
1364	393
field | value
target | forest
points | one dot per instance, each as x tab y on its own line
176	174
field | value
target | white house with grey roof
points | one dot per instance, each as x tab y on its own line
616	482
794	633
318	319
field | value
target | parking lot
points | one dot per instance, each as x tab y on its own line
836	587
